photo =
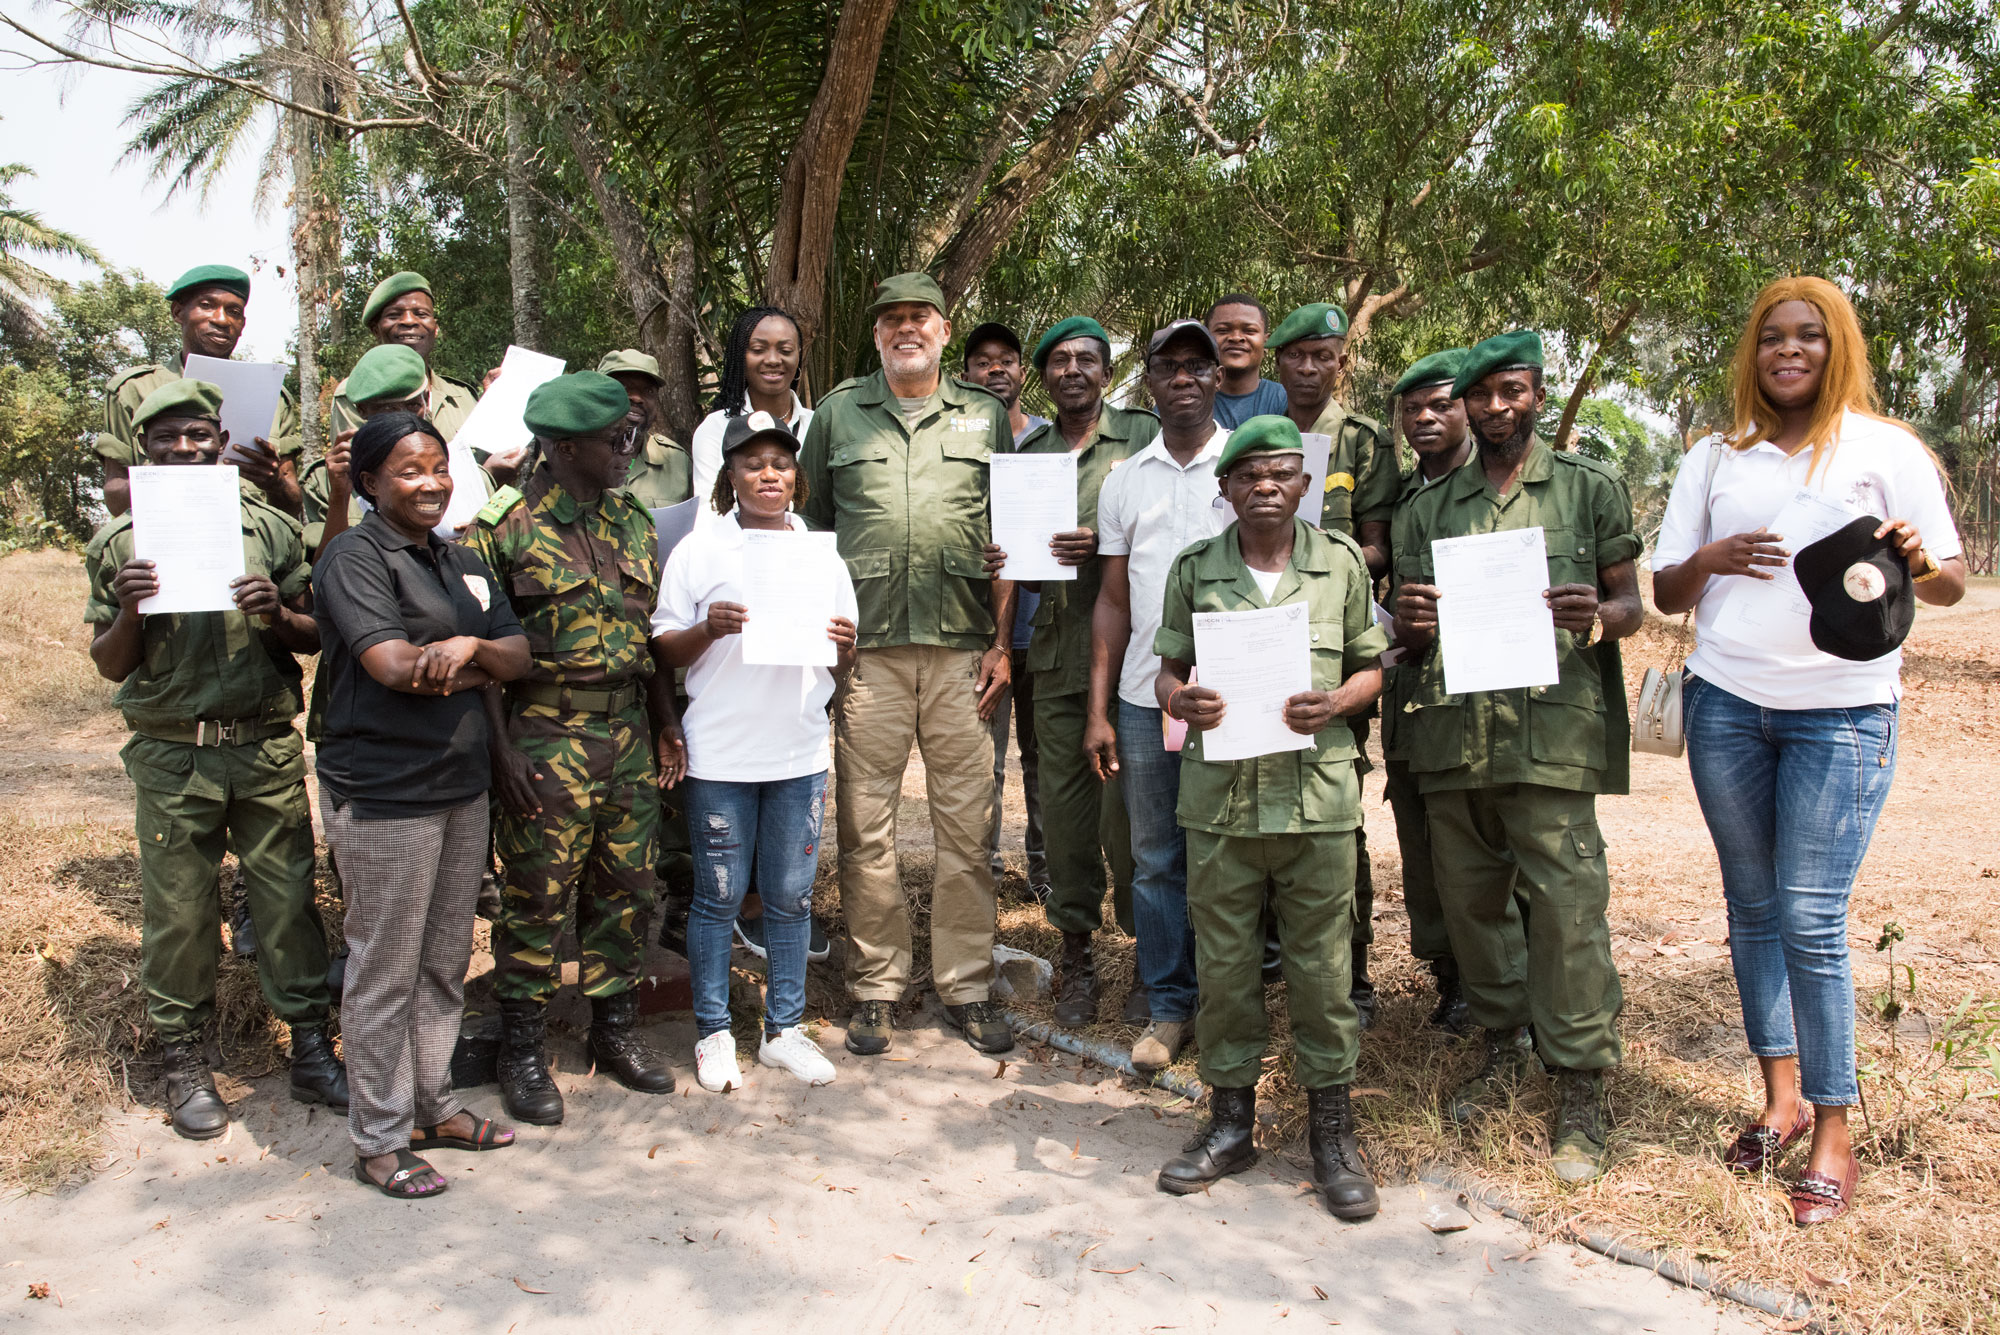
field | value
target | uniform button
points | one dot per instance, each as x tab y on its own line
1579	551
1541	690
1315	637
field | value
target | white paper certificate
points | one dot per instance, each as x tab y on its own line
789	584
1319	448
1034	498
1494	627
250	395
187	520
494	425
671	523
1256	661
1775	615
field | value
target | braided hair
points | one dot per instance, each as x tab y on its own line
733	397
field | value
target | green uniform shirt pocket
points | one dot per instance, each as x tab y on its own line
1571	558
1330	789
969	446
160	767
963	592
1433	728
1566	724
870	571
856	452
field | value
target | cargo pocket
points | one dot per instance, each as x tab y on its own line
1331	789
1433	725
530	590
1566	724
963	593
870	571
1586	993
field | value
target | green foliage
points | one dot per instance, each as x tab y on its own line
1607	431
1918	1086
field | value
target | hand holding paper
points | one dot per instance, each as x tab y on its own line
1256	661
789	580
1495	629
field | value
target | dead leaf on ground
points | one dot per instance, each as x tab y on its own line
524	1288
1319	1293
655	1150
1126	1271
999	1070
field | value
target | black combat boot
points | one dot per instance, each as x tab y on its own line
1223	1147
1452	1015
317	1075
1360	987
198	1112
618	1050
1076	993
527	1090
1339	1171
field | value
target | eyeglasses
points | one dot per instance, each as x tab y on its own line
1201	368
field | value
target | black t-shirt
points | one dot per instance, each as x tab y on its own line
389	753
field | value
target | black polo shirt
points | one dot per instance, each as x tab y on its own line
390	753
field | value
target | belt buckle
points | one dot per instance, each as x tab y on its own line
214	732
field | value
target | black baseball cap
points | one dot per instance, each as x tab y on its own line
993	332
1193	329
751	427
1863	599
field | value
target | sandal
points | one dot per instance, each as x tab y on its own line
1818	1199
486	1135
1758	1145
403	1184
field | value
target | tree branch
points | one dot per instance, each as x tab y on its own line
1567	425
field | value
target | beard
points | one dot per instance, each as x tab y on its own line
912	365
1515	442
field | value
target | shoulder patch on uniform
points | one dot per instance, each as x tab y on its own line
132	373
497	505
1577	459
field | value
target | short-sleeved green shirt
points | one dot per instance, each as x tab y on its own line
202	666
662	475
1570	734
1293	792
907	504
1059	653
119	443
451	403
1361	481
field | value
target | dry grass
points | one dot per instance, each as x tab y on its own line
46	676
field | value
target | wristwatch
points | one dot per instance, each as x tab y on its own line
1931	568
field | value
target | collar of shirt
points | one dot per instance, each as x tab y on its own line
391	539
1211	450
1223	563
1469	479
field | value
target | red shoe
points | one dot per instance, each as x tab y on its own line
1818	1199
1759	1145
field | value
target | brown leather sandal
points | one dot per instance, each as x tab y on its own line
486	1135
1758	1145
1818	1199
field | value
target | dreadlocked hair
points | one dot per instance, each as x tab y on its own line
733	397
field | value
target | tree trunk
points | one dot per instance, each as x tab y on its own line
523	261
306	253
645	278
1567	426
680	404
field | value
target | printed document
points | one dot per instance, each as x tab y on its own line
1319	448
790	583
1774	615
1034	498
1495	629
495	424
250	395
188	521
1256	661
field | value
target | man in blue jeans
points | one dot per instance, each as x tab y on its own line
1155	504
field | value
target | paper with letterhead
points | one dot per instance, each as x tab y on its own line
790	586
251	392
671	523
1495	629
495	424
1774	616
1034	498
1319	449
187	519
1255	660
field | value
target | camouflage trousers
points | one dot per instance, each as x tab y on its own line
596	835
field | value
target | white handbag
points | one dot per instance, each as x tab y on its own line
1656	715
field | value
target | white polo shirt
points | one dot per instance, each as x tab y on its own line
1876	468
705	454
1150	511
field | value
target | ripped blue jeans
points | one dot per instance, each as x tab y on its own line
776	826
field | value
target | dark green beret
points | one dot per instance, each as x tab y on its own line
907	287
386	291
1502	352
631	361
224	276
1440	368
575	405
387	371
1319	320
1269	433
186	397
1076	326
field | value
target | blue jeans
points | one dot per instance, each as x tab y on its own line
776	825
1151	777
1791	797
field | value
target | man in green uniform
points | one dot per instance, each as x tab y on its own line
210	698
400	311
1287	817
895	464
1433	422
208	304
663	473
574	741
1510	777
389	378
1357	498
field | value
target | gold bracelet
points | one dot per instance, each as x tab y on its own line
1931	561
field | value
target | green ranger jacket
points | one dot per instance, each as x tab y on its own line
1361	480
1292	792
907	505
315	494
1573	734
451	403
662	475
1397	679
119	443
1059	653
207	666
582	579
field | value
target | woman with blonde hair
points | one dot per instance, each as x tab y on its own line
1791	746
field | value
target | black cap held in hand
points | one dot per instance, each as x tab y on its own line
1863	599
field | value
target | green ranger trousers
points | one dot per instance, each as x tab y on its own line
1552	969
596	836
1428	938
191	799
1084	827
1313	887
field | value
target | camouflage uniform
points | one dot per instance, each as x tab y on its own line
583	580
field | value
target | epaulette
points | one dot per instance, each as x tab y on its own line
465	385
1355	547
965	384
497	505
129	374
1365	420
852	382
1582	460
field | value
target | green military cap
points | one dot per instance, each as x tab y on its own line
575	405
1502	352
1268	433
1440	368
387	371
386	291
1076	326
907	287
1319	320
186	397
225	276
631	361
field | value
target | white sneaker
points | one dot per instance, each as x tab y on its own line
715	1063
792	1051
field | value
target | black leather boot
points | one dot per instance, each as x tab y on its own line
618	1050
527	1090
1452	1015
198	1112
1076	993
317	1075
1360	987
1339	1171
1223	1147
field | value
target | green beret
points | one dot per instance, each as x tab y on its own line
387	371
1319	320
386	291
224	276
186	397
907	287
575	405
1269	433
1077	326
1502	352
1440	368
631	361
